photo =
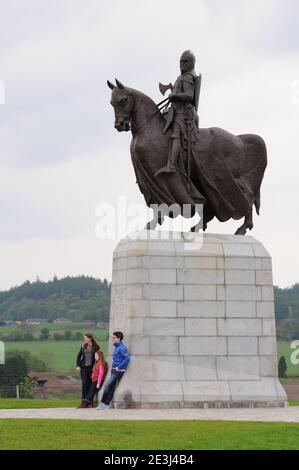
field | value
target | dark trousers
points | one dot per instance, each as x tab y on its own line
110	386
86	380
92	391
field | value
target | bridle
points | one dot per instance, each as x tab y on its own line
165	103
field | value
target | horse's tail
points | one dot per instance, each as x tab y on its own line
257	202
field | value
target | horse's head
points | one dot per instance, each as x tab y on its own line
122	102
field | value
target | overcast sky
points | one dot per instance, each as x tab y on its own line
60	155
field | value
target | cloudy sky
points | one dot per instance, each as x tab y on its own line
61	158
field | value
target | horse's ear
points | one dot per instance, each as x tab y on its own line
119	84
110	85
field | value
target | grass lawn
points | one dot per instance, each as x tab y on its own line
150	435
58	355
22	403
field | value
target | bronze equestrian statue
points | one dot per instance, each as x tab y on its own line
177	163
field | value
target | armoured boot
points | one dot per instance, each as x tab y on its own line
173	158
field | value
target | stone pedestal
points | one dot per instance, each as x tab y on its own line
197	312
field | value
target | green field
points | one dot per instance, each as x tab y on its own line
283	349
58	355
161	435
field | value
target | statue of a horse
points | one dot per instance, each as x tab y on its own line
226	171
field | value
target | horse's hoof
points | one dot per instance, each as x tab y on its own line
240	231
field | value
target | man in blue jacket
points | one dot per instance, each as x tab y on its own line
120	360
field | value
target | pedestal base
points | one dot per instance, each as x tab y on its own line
197	312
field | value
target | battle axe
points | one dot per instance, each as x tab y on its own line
163	88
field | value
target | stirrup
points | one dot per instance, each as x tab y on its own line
166	169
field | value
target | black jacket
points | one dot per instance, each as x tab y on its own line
80	358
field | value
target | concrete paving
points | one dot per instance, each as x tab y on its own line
287	415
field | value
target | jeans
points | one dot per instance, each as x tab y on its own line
92	391
110	386
86	380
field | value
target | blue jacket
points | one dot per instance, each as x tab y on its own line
121	357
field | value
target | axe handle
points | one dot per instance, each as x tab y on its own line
163	101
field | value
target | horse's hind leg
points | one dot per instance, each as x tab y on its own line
157	219
248	224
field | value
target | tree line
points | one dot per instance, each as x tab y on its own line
78	298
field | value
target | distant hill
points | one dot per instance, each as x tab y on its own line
86	298
78	298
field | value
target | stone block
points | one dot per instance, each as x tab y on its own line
161	391
119	277
134	262
139	345
268	366
134	326
243	346
163	308
200	276
138	308
267	293
164	262
199	292
265	309
164	345
207	249
159	368
163	292
238	368
200	368
242	263
237	249
239	327
201	308
202	346
259	390
266	263
164	326
162	276
205	390
134	292
120	264
267	346
159	248
240	292
239	276
260	251
200	326
264	277
269	327
200	262
137	276
240	309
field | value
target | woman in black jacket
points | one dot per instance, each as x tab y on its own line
85	362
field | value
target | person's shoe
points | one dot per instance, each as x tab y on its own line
102	406
86	404
81	404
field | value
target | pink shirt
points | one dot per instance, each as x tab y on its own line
97	373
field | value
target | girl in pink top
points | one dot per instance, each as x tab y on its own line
98	376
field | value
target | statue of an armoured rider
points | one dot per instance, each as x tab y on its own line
182	116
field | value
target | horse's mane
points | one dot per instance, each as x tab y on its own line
146	99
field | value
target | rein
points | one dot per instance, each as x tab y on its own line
152	115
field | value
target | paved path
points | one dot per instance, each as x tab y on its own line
290	414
